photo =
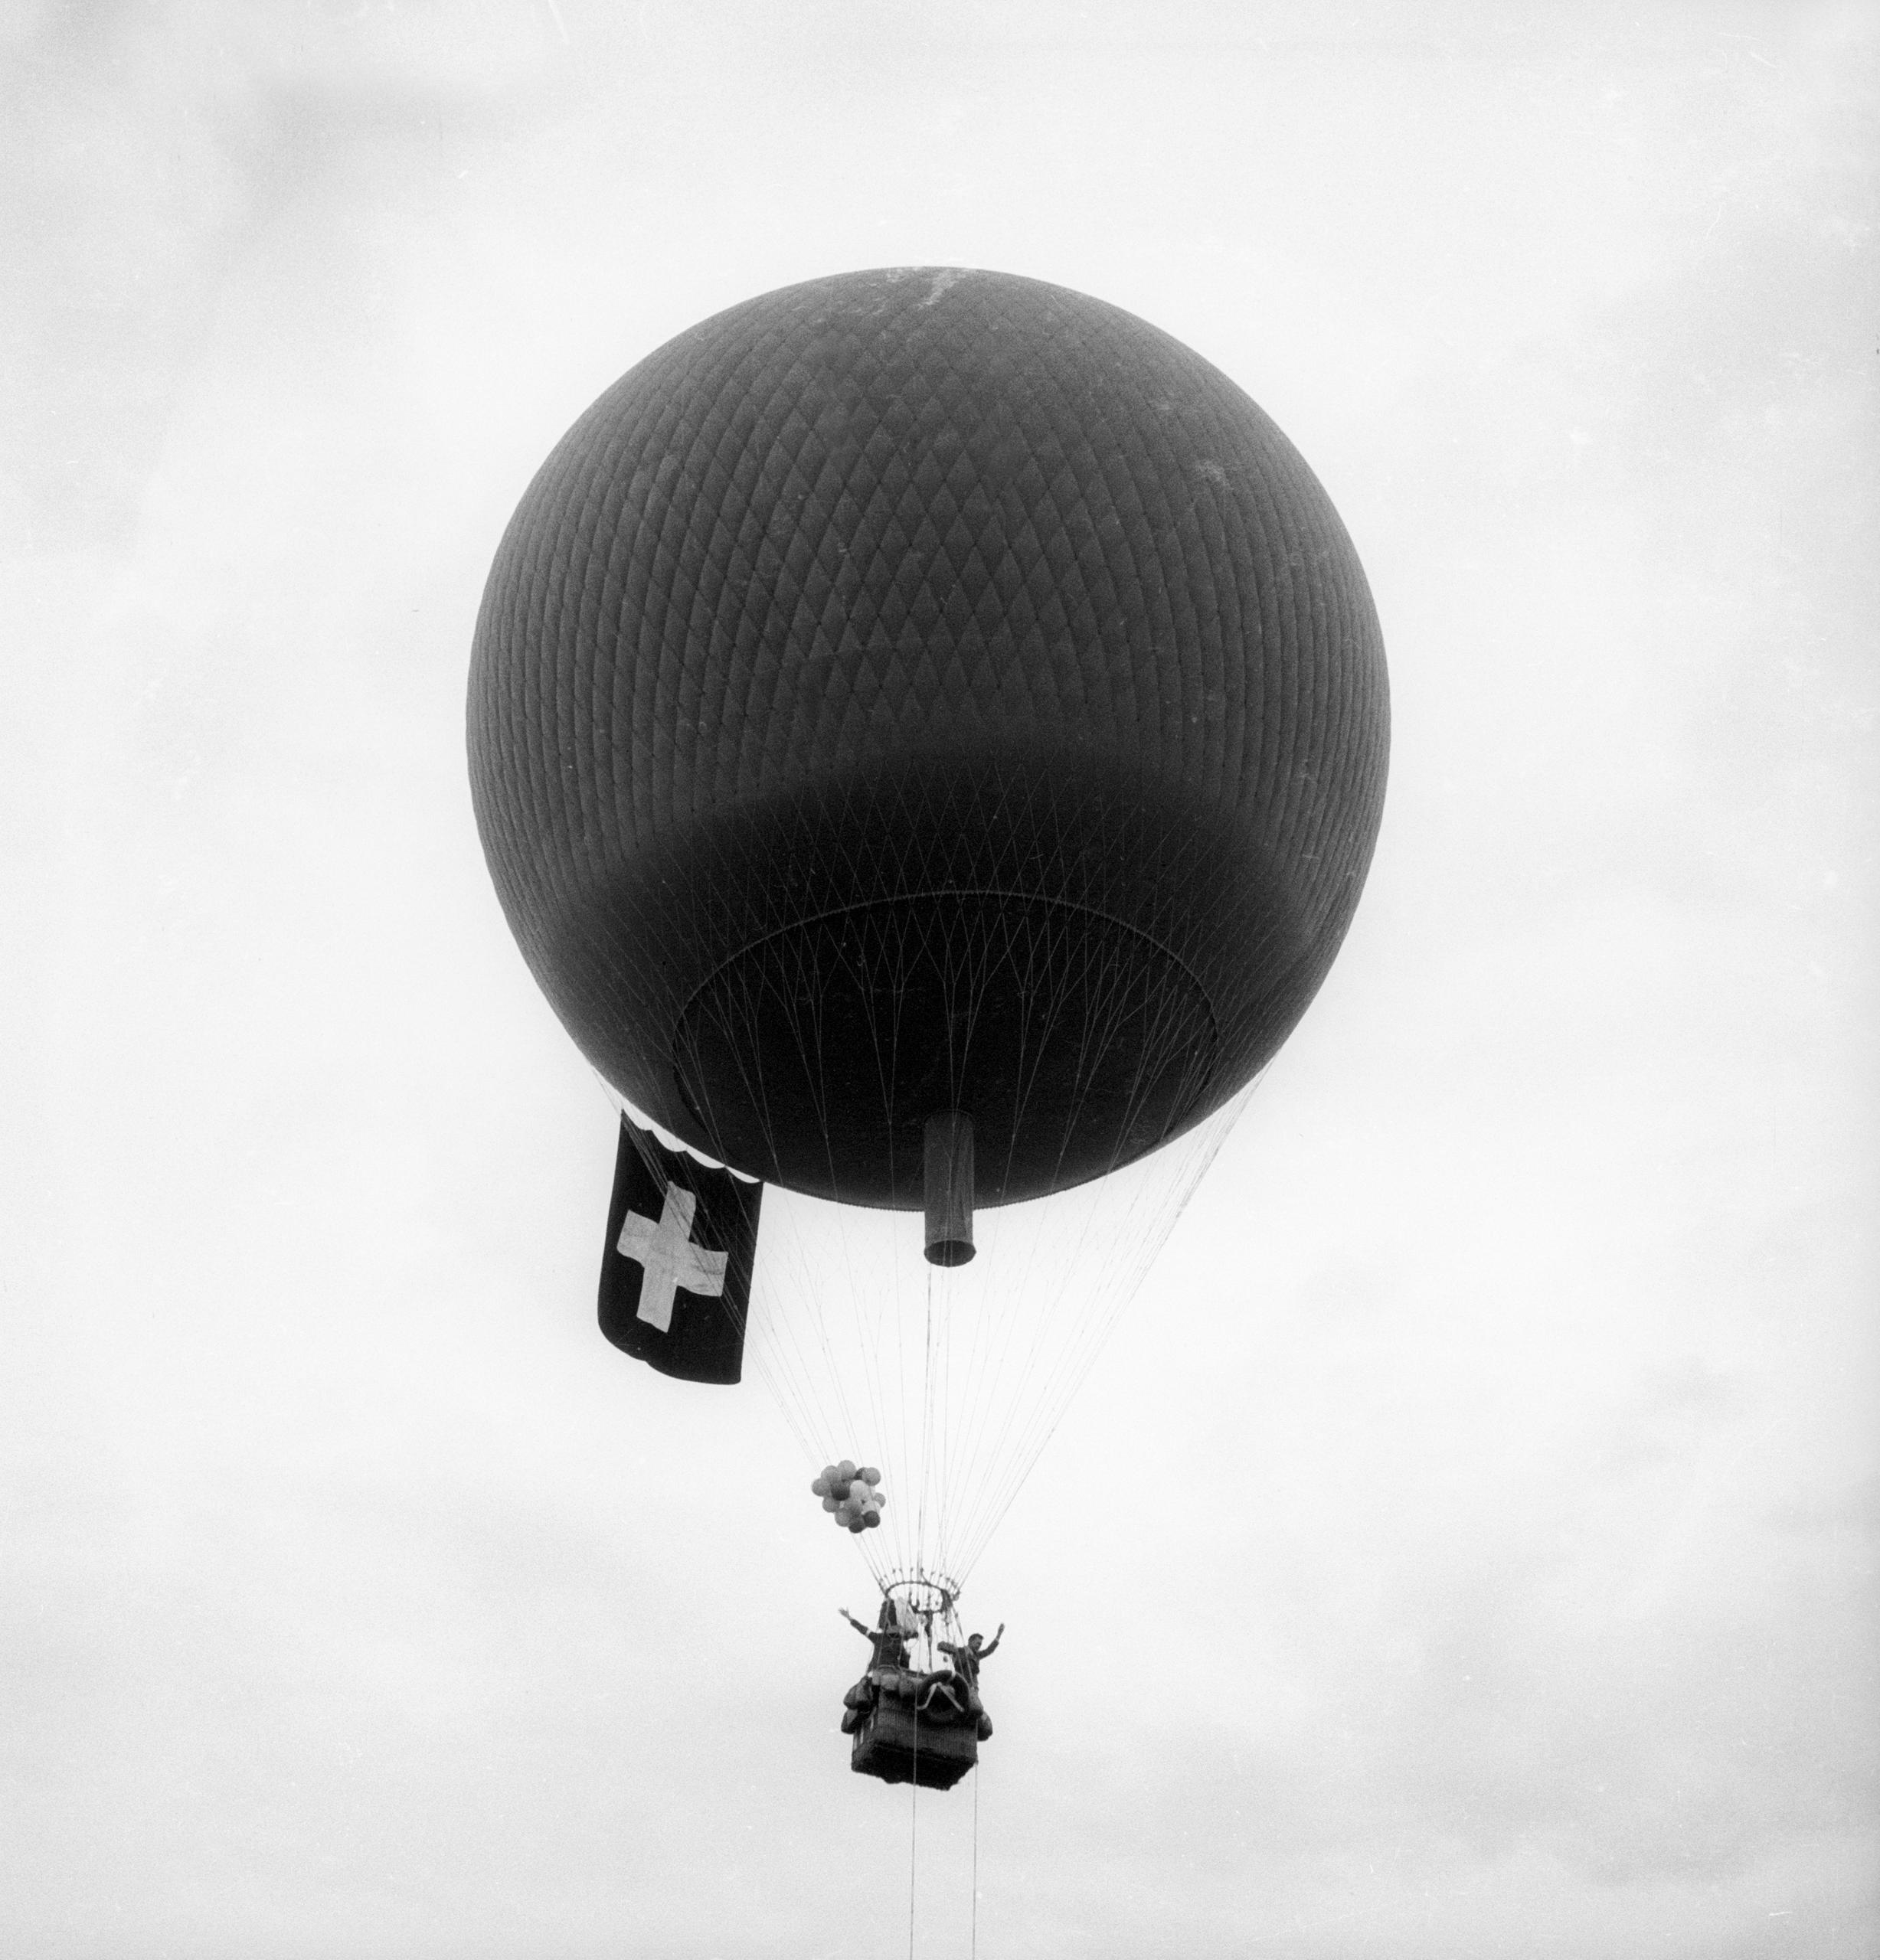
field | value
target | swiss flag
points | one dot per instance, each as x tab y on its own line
675	1277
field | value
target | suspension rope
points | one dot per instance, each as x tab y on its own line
953	1381
913	1827
978	1771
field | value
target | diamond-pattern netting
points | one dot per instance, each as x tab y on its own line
904	638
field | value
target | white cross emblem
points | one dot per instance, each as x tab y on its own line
667	1257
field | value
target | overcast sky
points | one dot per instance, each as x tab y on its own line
358	1600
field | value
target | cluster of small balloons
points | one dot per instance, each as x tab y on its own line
850	1495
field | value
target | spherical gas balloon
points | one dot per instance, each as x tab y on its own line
916	692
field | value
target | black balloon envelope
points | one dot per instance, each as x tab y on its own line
921	692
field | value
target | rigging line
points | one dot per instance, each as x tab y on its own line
778	1340
907	1501
1138	1205
786	1363
1037	1299
914	1309
806	1038
867	1351
809	1300
781	1358
1142	1211
920	1513
1008	1322
940	1351
871	1329
799	1396
823	1294
1033	1375
933	1537
938	1354
914	1828
887	1302
1087	1340
851	1296
965	1003
792	1419
781	1345
1058	1320
965	1293
978	1773
996	1332
1015	1245
926	1414
1210	1137
1131	1248
886	1370
1090	1041
1033	1313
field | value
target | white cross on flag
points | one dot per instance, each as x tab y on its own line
668	1258
676	1279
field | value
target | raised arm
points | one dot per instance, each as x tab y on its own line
867	1632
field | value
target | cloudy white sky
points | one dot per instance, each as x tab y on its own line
358	1600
